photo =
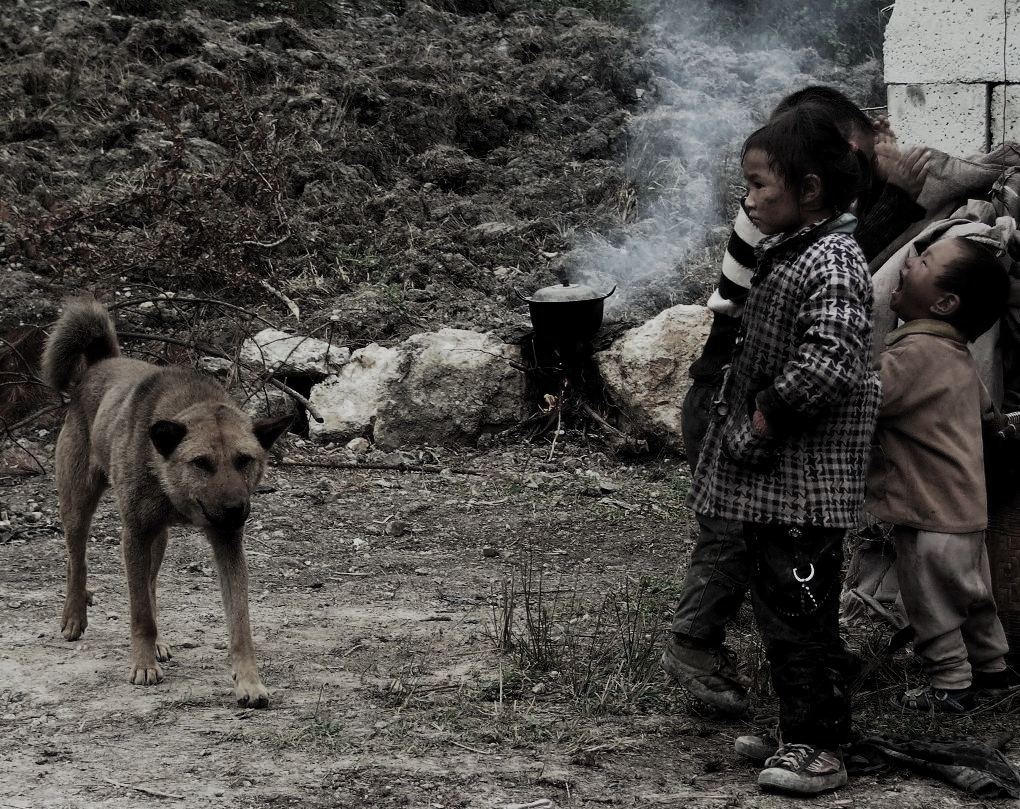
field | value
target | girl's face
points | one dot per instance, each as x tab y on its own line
771	204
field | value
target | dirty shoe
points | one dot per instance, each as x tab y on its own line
708	673
757	748
803	770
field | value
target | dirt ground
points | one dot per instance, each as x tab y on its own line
483	636
377	603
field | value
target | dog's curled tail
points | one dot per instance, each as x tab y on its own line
84	332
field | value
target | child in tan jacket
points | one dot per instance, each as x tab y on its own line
927	473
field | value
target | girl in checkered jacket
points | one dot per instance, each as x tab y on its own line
787	451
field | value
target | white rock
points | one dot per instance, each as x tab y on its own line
444	387
217	366
646	370
349	401
359	446
267	401
294	353
454	385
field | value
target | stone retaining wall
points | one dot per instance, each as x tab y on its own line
950	65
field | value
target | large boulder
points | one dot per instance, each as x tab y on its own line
454	385
445	387
349	401
646	370
294	354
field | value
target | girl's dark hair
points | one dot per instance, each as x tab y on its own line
981	283
803	141
841	110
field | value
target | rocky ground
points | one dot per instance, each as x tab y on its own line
483	636
482	632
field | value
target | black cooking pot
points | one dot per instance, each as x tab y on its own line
566	314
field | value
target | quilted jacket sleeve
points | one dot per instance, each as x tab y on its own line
834	324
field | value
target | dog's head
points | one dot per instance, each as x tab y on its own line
209	458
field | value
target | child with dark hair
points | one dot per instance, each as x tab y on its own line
786	452
718	573
927	475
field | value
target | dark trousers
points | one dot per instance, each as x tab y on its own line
795	585
718	574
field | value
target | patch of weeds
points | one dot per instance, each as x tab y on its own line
601	652
603	9
401	687
354	263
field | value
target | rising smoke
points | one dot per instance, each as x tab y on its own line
706	96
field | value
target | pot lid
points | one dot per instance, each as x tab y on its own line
566	292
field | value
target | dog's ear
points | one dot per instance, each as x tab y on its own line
166	436
268	430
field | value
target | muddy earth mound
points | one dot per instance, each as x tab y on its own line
393	170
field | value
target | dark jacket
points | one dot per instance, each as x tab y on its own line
802	357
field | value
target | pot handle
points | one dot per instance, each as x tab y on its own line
517	292
610	292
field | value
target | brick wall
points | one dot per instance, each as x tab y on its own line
946	73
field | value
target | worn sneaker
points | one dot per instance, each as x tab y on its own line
709	674
804	770
757	748
929	698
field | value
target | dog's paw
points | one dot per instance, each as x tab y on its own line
73	622
146	674
250	693
162	651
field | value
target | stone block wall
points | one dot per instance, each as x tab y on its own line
950	65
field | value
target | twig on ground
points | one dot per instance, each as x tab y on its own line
29	419
468	747
389	467
181	299
556	434
145	790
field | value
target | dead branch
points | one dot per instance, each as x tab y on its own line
208	349
179	299
388	467
155	793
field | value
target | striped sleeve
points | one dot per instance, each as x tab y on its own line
737	268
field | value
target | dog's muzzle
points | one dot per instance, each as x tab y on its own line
227	516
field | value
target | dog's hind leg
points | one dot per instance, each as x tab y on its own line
79	487
138	562
157	551
228	552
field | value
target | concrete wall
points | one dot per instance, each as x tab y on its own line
948	73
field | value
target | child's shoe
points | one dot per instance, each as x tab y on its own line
929	698
708	673
804	770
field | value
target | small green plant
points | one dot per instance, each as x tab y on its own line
602	653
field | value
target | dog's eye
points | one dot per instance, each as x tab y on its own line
203	463
242	462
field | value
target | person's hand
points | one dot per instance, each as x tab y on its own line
882	128
906	170
758	422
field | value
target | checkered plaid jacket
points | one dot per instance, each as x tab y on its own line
803	358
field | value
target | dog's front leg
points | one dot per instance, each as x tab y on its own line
233	569
137	544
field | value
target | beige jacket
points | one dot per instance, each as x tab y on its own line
927	470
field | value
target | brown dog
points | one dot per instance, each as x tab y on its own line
175	450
